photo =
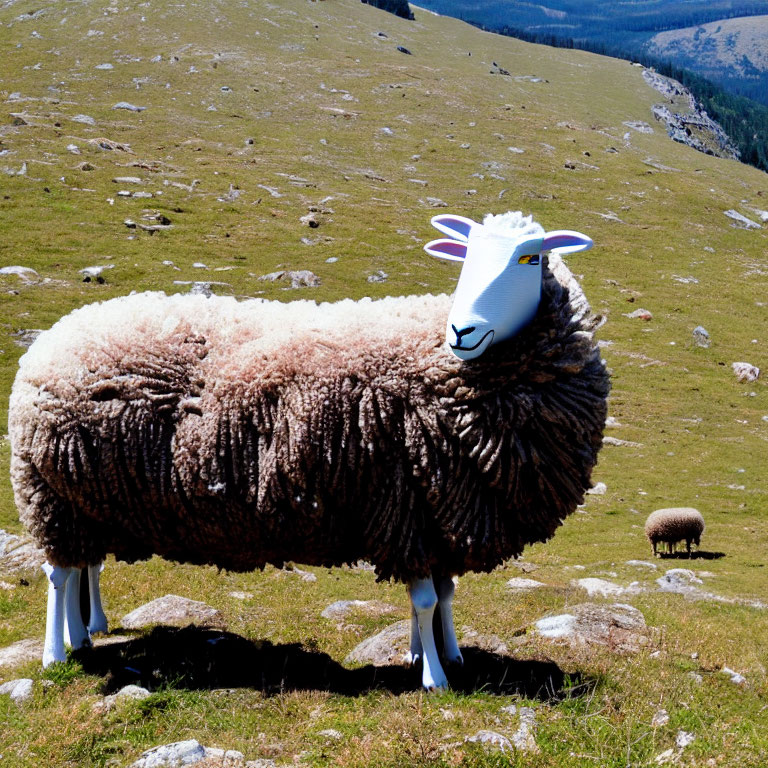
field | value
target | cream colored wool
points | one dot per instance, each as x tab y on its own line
674	524
208	430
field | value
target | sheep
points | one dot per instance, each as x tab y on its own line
211	431
672	525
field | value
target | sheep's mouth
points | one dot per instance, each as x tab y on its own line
459	348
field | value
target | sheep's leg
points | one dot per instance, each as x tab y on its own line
424	599
54	650
98	619
416	651
74	630
445	591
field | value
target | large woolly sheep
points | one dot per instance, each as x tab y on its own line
207	430
672	525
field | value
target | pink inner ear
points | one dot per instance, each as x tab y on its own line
452	250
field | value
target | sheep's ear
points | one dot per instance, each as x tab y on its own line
457	227
450	250
565	241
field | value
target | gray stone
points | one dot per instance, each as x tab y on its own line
387	647
21	652
619	627
173	610
740	221
378	277
301	278
128	106
604	588
124	695
173	755
519	584
85	119
523	738
25	273
491	739
19	690
342	608
701	336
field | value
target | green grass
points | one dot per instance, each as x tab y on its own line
313	90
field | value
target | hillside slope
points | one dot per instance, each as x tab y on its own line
173	144
732	52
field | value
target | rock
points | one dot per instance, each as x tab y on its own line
660	718
73	148
342	608
523	738
127	180
521	585
19	690
639	314
740	221
292	570
684	739
643	564
378	277
172	755
639	126
402	49
124	695
172	610
85	166
201	289
746	371
301	278
603	588
85	119
736	678
701	337
619	627
387	647
310	220
436	202
107	66
492	740
25	273
129	107
331	733
490	643
598	489
21	652
615	441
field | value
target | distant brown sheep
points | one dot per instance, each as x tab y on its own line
674	524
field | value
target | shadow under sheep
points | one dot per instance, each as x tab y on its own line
698	555
203	659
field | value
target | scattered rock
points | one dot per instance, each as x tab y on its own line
86	166
620	627
519	584
109	145
490	643
402	49
128	106
639	314
740	221
124	695
342	608
736	678
679	580
684	739
310	220
608	440
436	202
107	66
25	273
491	740
73	148
19	690
172	755
127	180
660	719
379	276
331	733
85	119
21	652
301	278
643	564
745	371
598	489
604	588
293	570
639	126
201	289
523	738
701	337
387	647
173	610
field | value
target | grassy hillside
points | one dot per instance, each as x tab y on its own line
255	115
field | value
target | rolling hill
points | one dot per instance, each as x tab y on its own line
175	146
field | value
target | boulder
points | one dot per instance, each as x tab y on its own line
172	610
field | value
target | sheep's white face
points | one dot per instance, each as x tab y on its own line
499	287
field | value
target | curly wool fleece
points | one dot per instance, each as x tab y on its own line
207	430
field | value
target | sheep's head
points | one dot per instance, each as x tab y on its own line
499	287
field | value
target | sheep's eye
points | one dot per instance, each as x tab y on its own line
529	259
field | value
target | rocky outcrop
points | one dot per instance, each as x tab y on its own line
691	126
